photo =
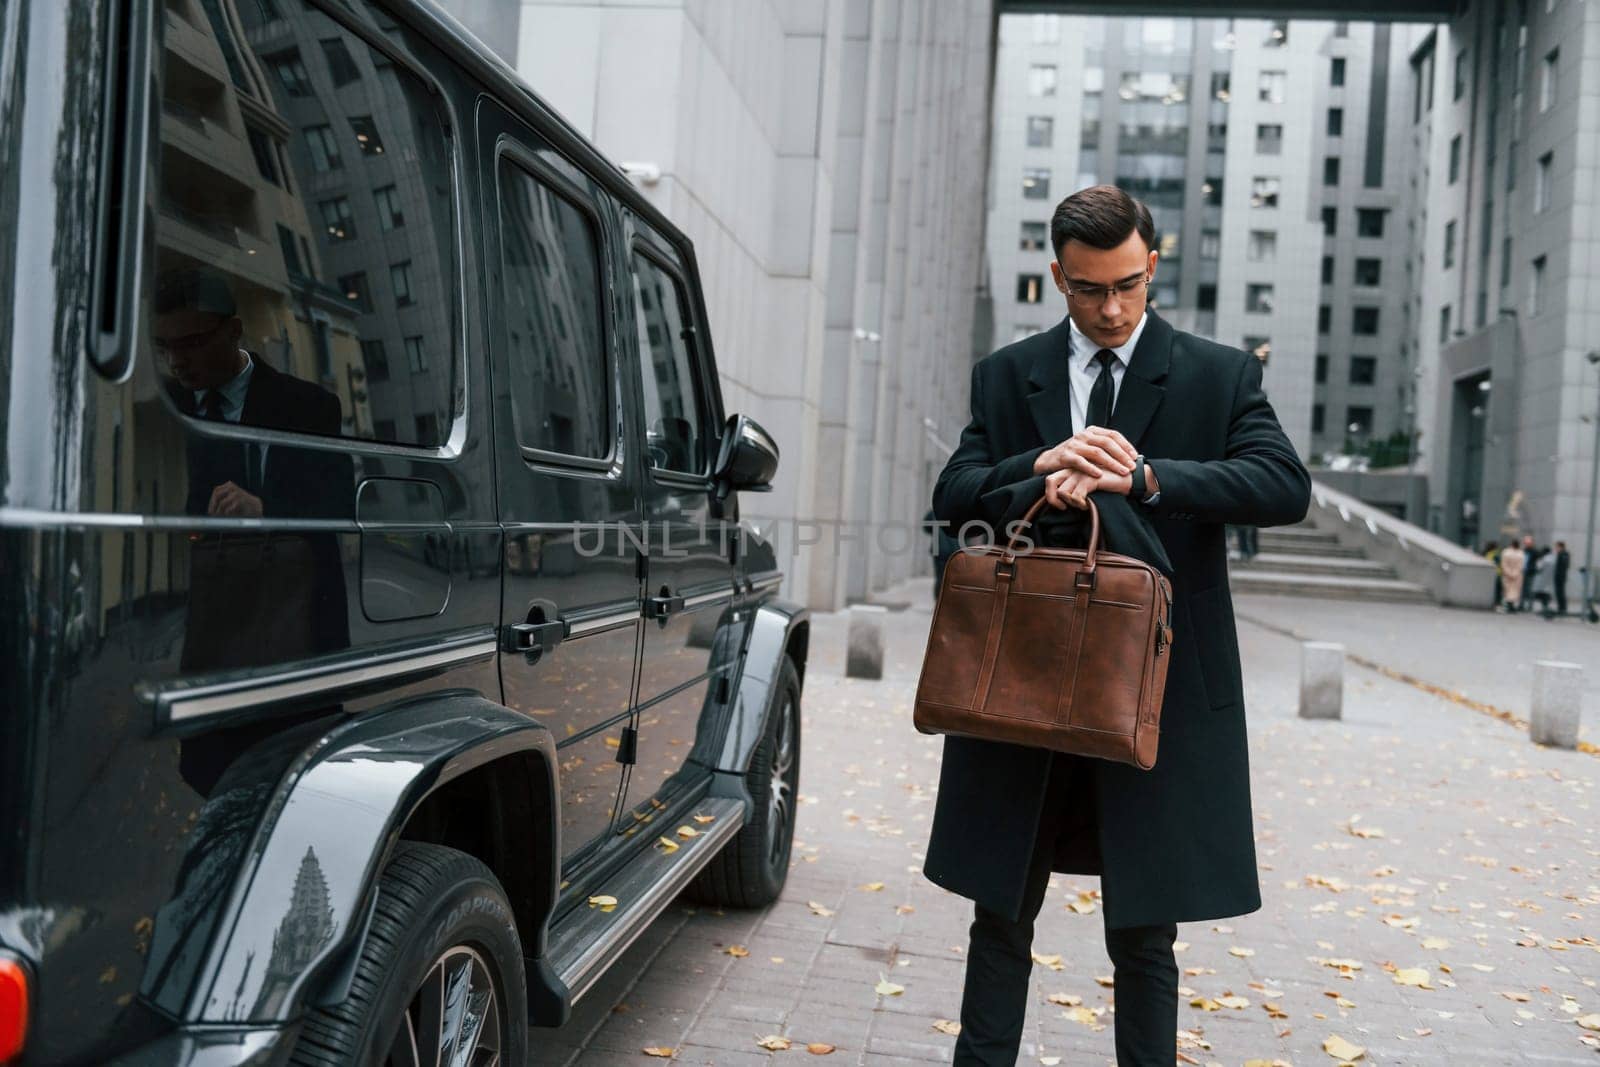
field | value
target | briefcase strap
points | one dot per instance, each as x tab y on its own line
1003	570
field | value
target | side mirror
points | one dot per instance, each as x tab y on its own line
747	458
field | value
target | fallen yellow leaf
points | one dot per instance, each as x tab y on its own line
1082	907
872	887
1053	962
687	832
1589	1022
946	1026
1342	1050
659	1052
1435	942
667	844
738	952
703	819
1520	998
774	1043
1084	1016
886	988
604	903
1412	976
1235	1002
1104	980
1068	1000
819	909
817	1048
1242	953
1205	1004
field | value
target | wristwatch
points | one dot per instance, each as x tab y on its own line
1137	489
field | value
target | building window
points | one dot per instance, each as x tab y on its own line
1022	331
1269	139
1320	375
1330	221
1030	288
1336	73
1369	221
390	215
1258	299
1444	324
1042	79
324	149
400	278
1461	75
1041	131
337	220
1505	262
1422	84
266	160
1277	34
1211	192
1263	246
1358	419
1206	298
1341	28
1330	171
1369	271
1327	270
1264	192
1221	86
1364	321
291	71
1047	29
1449	244
1455	158
376	360
1036	183
1363	370
1547	80
416	355
366	135
1271	85
1325	318
1317	418
1210	244
1336	122
1541	182
1536	287
340	65
354	288
1034	235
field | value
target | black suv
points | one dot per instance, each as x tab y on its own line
381	646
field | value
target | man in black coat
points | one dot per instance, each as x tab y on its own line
1563	568
1114	401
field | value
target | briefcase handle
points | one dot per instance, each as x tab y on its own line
1027	520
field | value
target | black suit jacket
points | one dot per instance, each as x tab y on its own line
299	483
1175	843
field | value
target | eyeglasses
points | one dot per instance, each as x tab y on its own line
188	342
1092	296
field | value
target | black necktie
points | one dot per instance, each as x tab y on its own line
1099	410
229	461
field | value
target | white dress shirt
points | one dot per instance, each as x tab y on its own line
1084	370
233	392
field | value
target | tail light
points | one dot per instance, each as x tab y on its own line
13	1007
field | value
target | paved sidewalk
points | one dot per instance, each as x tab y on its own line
1416	834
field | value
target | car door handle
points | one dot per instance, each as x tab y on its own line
659	607
535	637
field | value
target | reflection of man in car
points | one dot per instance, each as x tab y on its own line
197	332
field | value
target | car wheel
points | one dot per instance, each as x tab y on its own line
750	870
440	979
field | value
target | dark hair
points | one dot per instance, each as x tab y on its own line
1101	216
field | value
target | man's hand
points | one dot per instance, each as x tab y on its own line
229	500
1064	489
1092	451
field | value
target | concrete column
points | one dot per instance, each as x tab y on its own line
1321	680
1557	703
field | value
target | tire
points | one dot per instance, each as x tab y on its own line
750	870
441	917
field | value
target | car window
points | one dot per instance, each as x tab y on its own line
674	422
305	273
554	323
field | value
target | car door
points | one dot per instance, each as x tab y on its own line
569	507
684	666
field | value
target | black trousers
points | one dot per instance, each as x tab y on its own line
994	999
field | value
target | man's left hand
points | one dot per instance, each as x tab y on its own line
229	500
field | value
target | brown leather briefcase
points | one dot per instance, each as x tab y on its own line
1059	648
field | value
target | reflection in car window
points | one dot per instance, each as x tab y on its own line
674	438
553	310
305	221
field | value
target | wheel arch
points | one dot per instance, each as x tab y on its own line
302	901
779	628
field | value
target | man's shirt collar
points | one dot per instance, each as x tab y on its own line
1084	349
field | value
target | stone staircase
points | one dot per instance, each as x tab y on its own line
1302	560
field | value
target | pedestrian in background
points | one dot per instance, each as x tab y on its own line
1563	565
1542	582
1529	553
1512	559
1491	552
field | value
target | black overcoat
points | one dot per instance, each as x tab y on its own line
1175	843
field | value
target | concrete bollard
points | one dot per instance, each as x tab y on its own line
1557	703
864	648
1321	680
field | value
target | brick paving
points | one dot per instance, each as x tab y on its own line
1417	838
